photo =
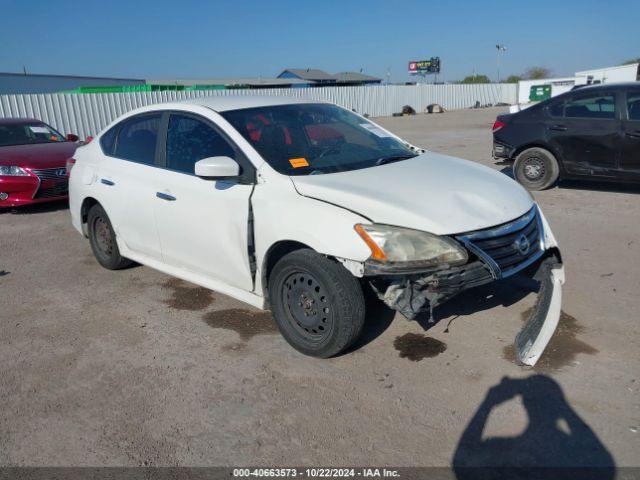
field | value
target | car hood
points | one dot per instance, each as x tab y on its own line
431	192
41	155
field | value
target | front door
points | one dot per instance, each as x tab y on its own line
630	143
585	131
202	224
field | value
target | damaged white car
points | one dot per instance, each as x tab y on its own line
297	206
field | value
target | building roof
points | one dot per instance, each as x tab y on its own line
251	81
309	74
355	77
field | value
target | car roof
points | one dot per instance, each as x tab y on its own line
607	86
238	102
19	121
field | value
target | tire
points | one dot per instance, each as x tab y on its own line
536	169
103	240
318	305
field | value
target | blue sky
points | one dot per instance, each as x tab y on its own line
192	39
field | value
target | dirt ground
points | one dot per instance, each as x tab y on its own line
136	368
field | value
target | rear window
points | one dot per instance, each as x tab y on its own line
108	140
137	139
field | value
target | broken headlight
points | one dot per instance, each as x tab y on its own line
411	247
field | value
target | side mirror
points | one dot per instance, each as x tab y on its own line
72	137
217	167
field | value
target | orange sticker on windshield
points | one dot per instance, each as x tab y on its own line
298	162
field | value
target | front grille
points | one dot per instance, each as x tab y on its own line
58	173
508	248
57	190
53	182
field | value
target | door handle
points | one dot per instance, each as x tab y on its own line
109	183
165	196
558	128
634	134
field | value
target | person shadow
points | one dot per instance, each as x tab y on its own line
556	443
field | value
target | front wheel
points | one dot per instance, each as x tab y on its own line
536	169
318	305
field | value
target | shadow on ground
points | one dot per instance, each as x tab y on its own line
500	293
37	208
586	184
556	443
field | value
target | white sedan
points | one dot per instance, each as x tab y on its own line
298	207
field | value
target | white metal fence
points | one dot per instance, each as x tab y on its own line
88	114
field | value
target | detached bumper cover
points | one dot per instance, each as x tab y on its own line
542	323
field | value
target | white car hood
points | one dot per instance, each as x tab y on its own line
432	192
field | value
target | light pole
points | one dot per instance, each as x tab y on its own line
501	49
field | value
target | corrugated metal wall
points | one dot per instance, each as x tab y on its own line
88	114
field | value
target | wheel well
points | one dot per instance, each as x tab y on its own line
275	253
87	203
519	150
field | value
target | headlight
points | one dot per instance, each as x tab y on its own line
410	247
12	171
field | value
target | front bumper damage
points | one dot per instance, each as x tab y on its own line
412	292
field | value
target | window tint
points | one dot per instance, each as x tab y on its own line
108	140
137	139
190	140
592	106
633	105
557	110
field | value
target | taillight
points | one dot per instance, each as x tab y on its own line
70	163
88	139
497	125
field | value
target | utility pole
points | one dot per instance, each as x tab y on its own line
501	49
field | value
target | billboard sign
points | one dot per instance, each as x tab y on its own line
425	66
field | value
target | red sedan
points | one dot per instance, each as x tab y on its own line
33	158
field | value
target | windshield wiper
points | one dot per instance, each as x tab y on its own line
393	158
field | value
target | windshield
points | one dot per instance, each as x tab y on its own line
307	139
28	133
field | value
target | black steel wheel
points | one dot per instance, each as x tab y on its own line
317	303
103	240
536	169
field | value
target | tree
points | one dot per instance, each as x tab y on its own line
476	79
536	73
513	79
633	60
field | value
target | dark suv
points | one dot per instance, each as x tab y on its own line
588	132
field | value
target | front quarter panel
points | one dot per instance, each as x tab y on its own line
281	214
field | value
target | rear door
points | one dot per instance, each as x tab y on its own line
630	143
126	181
202	223
584	129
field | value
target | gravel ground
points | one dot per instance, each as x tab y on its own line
136	368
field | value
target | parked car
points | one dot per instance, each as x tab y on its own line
592	132
33	161
299	206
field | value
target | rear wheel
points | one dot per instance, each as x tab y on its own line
318	304
536	169
103	240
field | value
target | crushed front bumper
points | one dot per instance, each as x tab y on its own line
525	246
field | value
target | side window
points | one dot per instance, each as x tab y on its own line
108	140
600	105
557	109
190	140
137	139
633	105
